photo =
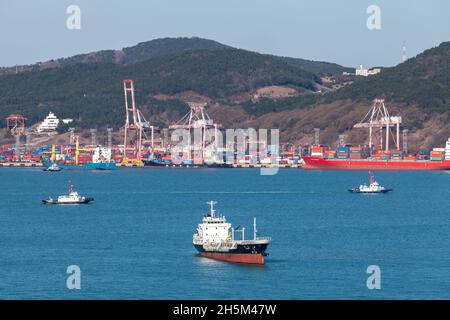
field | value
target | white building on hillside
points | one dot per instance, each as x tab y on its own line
67	120
365	72
49	124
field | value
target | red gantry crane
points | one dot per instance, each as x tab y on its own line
135	124
16	124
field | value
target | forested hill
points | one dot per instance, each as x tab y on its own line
423	80
92	92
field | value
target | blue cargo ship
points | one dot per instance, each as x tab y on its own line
101	160
87	166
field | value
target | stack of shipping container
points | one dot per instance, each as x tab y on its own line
342	152
437	154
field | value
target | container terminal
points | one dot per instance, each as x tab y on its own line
144	145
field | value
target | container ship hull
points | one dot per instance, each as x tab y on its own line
248	254
319	163
87	166
161	164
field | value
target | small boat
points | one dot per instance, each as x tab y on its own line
72	198
53	168
373	187
156	163
218	164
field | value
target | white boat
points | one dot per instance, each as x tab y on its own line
53	168
373	187
72	198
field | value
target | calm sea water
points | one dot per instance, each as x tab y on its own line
135	239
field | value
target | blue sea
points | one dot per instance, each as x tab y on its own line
135	240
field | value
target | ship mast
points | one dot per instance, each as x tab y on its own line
254	228
212	203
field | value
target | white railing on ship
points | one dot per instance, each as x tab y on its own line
264	238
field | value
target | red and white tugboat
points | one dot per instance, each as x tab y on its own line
215	238
373	187
72	198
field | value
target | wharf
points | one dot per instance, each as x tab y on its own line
20	164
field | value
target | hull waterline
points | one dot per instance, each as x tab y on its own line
246	258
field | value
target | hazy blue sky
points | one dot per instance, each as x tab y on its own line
335	31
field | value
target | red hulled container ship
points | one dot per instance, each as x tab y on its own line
215	239
381	127
357	158
373	164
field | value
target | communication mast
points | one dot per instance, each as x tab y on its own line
135	123
404	57
377	120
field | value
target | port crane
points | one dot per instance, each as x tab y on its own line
16	124
135	123
380	124
197	118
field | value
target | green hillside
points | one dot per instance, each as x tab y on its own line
318	67
423	80
160	47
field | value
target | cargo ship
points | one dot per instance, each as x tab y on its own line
85	166
372	164
157	162
100	160
357	158
213	239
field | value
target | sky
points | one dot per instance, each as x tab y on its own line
333	30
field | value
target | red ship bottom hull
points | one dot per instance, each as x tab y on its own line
349	164
249	258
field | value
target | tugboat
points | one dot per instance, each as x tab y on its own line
53	168
72	198
373	187
214	240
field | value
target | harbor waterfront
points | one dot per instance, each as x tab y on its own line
135	239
